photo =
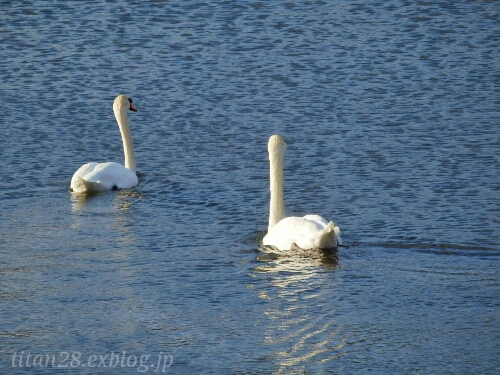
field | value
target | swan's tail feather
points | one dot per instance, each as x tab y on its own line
337	234
79	185
329	237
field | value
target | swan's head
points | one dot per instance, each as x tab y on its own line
276	146
123	103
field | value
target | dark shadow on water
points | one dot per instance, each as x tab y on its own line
79	200
296	259
121	199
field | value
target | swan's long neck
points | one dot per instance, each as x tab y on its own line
128	148
277	207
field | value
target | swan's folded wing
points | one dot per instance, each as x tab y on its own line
318	219
103	176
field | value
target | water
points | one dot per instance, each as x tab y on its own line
390	113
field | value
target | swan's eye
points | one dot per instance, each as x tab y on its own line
130	100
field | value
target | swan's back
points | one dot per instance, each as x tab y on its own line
308	232
93	177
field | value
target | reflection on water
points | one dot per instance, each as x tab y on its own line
123	223
122	199
296	260
114	216
302	324
78	201
125	198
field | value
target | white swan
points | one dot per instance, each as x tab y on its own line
92	177
285	233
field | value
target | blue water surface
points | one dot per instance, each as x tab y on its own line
390	111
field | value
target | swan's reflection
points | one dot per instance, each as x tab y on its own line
78	201
296	260
122	201
302	325
105	235
105	215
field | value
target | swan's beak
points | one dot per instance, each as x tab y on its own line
132	108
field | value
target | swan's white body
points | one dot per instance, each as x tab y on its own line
284	233
93	177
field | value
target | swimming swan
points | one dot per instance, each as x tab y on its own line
285	233
93	177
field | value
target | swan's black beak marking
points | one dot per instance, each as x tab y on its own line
132	108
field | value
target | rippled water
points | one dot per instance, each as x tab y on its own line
390	112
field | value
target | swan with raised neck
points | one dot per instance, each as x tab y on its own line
92	177
286	233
